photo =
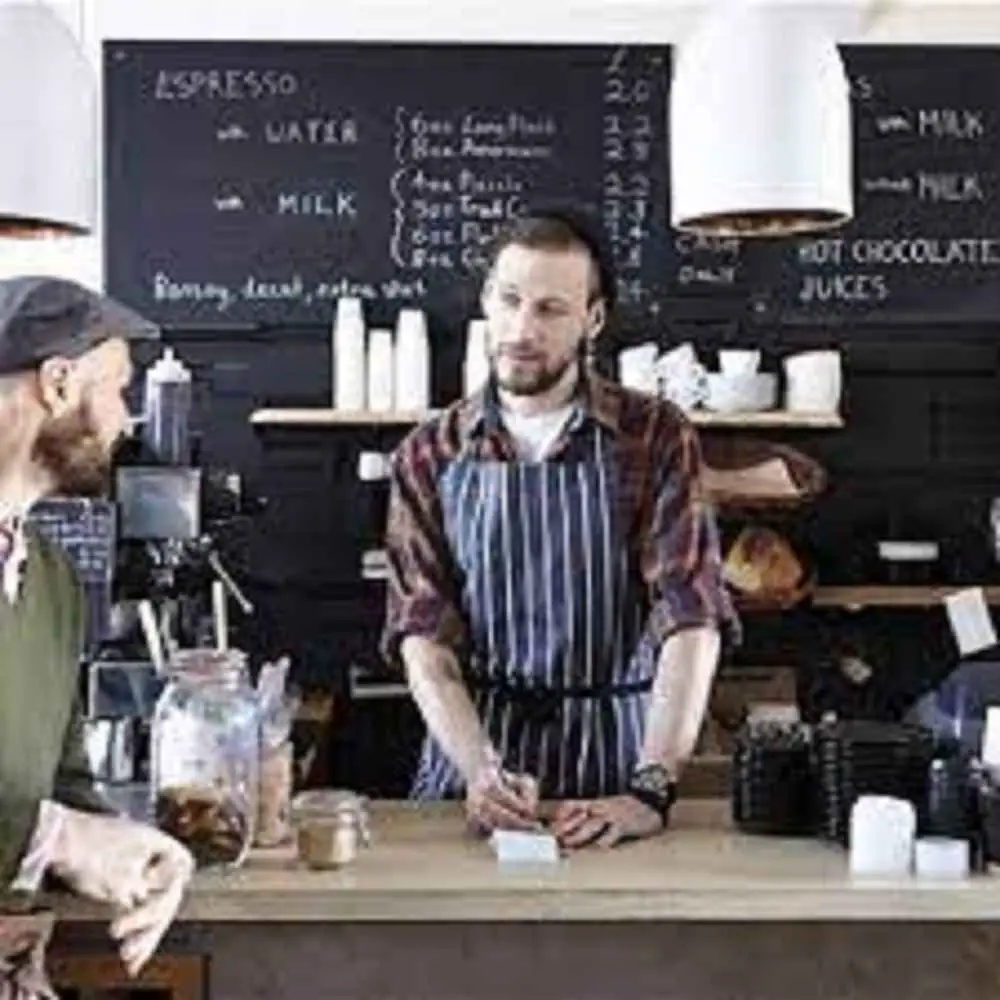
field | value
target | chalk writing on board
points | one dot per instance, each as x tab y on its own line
627	138
949	187
229	203
923	240
707	260
386	171
867	267
297	289
445	216
888	256
931	186
224	85
507	135
312	132
893	124
862	87
84	529
951	123
333	203
232	133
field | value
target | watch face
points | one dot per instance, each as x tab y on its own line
653	778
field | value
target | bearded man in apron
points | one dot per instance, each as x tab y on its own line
555	591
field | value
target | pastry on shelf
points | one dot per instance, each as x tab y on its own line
764	571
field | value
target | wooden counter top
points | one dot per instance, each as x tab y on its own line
422	867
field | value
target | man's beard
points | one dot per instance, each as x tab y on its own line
525	379
70	451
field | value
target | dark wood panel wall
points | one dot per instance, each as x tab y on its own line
920	453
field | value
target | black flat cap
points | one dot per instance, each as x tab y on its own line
43	318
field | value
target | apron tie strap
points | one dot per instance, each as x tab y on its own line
544	704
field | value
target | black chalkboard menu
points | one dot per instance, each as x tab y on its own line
86	531
257	182
925	242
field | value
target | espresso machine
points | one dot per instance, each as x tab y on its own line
150	558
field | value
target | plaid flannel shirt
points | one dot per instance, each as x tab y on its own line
670	523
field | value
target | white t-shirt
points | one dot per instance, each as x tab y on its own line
534	434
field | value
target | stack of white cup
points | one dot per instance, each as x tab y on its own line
476	367
413	361
381	371
349	355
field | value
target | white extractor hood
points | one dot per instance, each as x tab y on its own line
48	126
760	124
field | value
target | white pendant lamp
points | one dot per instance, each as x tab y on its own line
48	126
760	125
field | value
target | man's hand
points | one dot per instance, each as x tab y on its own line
499	800
139	931
603	822
139	871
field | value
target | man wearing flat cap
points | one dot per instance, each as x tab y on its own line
64	366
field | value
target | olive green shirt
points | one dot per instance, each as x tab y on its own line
42	754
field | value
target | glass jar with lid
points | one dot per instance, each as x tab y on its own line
205	756
331	825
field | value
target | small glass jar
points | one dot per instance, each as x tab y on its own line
331	826
205	756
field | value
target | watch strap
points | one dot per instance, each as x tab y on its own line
653	787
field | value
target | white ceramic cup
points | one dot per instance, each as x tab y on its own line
813	382
738	362
637	367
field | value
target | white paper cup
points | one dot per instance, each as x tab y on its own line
738	362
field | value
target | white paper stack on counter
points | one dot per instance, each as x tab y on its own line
524	847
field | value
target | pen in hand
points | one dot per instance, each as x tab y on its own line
525	787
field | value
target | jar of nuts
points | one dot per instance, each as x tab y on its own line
205	756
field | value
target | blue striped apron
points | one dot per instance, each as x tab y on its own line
560	669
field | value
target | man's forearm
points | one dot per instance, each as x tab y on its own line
442	696
686	668
38	855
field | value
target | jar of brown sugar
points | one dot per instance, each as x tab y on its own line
331	826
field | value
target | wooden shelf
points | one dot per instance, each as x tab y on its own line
893	596
769	419
320	417
846	596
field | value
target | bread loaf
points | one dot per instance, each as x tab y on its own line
761	562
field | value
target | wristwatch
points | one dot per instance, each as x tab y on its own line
653	786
